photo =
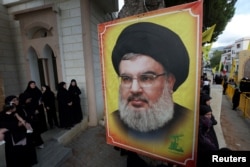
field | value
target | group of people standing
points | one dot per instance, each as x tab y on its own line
207	138
24	118
69	107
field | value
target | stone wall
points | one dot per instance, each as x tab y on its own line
1	92
70	26
69	29
8	66
97	17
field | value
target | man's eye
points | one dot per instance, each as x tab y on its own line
126	78
145	78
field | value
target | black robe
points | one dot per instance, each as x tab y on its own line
76	106
39	119
48	99
236	99
16	154
64	110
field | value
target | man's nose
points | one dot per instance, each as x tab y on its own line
135	87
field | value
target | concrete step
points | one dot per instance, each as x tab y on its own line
2	156
53	154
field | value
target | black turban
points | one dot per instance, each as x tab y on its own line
155	41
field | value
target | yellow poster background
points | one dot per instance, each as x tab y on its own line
184	20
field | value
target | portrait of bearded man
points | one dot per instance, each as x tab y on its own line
151	62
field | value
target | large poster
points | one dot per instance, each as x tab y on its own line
150	71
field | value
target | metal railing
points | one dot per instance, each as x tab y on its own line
244	105
230	91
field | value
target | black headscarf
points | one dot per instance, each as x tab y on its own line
61	86
35	94
8	99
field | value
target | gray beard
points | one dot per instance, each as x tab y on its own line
145	120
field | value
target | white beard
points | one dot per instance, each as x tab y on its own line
145	120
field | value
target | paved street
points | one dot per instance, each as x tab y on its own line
236	128
90	150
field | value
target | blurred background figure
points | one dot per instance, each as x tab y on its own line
64	106
48	99
236	98
76	105
32	96
18	149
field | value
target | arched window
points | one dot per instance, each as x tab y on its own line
38	32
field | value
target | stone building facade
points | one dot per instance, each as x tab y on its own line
238	52
50	41
244	64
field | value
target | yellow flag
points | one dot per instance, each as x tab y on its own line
214	70
207	35
219	67
205	50
232	68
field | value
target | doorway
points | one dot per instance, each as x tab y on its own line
43	70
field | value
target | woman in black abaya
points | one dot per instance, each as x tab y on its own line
48	99
18	151
64	106
36	112
76	106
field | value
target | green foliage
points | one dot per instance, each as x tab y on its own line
218	12
215	60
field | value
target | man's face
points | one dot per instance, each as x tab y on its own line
140	104
136	67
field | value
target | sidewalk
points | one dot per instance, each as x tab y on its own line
236	128
216	105
90	150
233	130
